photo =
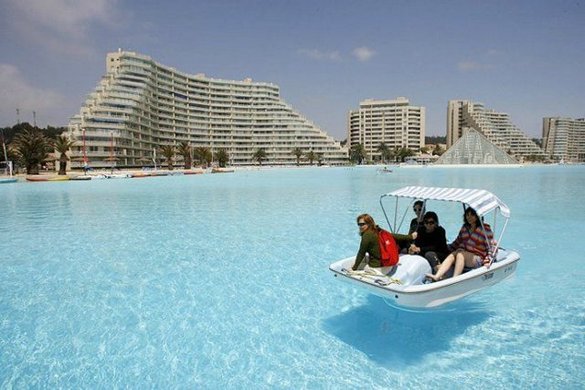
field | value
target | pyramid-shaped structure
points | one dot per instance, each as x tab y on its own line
474	148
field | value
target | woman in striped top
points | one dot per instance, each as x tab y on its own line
472	248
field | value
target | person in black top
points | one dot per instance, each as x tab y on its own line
405	240
415	223
431	241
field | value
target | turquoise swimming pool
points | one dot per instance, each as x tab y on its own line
212	281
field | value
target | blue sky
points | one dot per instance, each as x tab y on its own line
526	58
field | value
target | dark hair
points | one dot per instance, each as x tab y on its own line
418	203
433	215
470	210
368	220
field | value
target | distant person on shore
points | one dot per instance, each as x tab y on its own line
431	241
472	248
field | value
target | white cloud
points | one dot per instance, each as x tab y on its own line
321	55
16	92
61	25
363	53
469	66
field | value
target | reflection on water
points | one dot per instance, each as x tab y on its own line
397	338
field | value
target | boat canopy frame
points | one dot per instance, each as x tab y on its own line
482	201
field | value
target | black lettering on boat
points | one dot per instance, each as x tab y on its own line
488	276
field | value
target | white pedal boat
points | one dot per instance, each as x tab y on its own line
404	286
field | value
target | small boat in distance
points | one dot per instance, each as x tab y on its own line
39	178
222	170
404	286
4	180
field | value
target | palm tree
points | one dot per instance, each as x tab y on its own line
62	146
298	153
319	158
402	153
184	150
384	151
222	157
32	148
259	155
311	156
203	155
357	153
168	151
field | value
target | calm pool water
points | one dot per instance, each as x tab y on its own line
222	281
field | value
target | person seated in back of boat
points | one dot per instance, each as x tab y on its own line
431	241
472	248
418	208
404	240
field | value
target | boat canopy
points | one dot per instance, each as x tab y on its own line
481	200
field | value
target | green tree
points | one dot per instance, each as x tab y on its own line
10	132
403	153
385	152
435	139
184	150
259	155
357	153
438	150
168	152
222	157
32	148
320	158
311	156
203	156
62	146
297	152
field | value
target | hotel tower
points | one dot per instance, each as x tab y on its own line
563	139
495	126
395	123
141	105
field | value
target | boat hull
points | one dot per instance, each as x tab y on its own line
38	178
8	180
417	295
222	170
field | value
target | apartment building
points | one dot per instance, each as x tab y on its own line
395	123
563	139
495	126
141	105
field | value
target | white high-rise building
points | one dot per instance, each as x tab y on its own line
563	139
495	126
395	123
141	105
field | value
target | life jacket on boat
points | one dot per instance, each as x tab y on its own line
388	248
